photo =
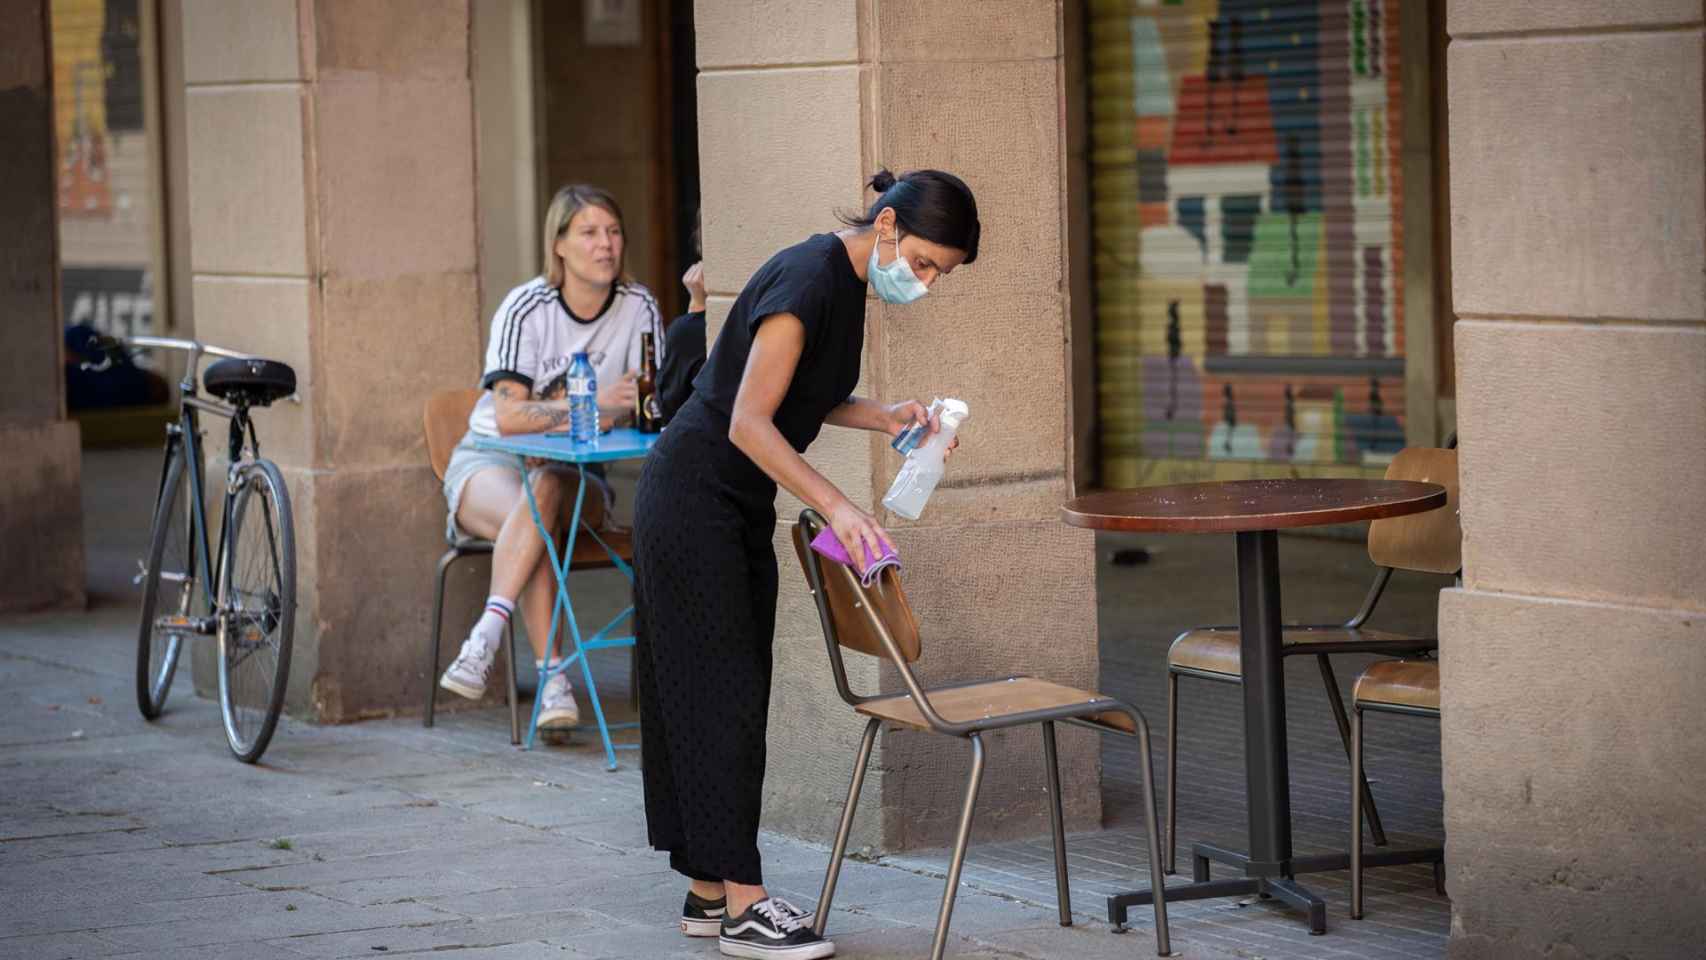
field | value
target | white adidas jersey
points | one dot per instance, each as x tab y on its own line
535	337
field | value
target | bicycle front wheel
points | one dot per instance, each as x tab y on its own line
171	592
257	608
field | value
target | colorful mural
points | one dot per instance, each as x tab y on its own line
1247	205
97	92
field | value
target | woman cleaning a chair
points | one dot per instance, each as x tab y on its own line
785	364
582	304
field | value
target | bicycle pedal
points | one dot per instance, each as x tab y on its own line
179	623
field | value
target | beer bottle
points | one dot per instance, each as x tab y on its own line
647	418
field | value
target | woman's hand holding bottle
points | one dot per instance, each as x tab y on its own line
909	412
617	398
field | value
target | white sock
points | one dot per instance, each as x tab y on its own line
490	629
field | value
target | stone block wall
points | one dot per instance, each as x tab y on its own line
41	510
792	119
1573	658
332	219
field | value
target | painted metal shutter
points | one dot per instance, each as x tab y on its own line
1247	215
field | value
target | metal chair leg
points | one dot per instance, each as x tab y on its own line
960	840
1377	833
1356	813
1057	818
1157	883
444	562
1167	865
514	709
827	894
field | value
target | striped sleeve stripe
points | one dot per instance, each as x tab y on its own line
511	331
634	289
528	304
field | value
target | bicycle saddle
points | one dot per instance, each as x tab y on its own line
253	382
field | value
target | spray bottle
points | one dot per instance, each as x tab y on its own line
924	465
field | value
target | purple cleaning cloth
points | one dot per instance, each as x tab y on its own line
829	545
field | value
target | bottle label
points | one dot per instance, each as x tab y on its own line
905	441
578	385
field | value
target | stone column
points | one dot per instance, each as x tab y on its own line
1573	658
792	119
331	167
41	509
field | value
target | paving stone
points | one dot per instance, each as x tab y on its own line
509	902
901	943
662	941
863	884
407	888
260	916
220	951
54	946
453	933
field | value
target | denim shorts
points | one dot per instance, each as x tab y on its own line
466	460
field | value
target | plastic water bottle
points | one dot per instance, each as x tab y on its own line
582	381
924	465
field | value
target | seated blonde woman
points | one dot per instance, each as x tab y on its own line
581	305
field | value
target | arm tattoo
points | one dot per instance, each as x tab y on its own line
540	415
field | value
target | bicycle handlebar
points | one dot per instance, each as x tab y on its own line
109	345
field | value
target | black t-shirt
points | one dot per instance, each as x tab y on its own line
683	355
814	281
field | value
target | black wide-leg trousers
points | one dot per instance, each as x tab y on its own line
705	617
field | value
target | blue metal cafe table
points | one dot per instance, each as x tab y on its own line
622	444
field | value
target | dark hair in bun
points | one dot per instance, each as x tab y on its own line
933	204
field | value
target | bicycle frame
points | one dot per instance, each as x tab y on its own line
187	431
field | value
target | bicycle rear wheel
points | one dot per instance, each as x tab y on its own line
257	608
171	592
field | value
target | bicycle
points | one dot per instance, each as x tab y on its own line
250	606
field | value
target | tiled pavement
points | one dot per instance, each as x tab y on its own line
120	838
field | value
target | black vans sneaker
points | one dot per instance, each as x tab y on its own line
701	917
772	928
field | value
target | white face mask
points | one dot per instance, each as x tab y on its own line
895	282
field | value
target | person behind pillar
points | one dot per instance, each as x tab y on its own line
582	304
684	347
785	363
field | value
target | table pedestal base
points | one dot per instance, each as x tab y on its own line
1284	888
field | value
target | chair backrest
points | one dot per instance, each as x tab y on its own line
853	615
445	420
1431	541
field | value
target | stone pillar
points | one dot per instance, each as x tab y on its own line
1573	658
791	120
332	185
41	509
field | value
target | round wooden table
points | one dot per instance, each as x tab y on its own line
1253	510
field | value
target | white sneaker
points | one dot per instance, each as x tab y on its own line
467	676
557	707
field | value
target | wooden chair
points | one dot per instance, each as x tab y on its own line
444	421
878	621
1407	687
1430	542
